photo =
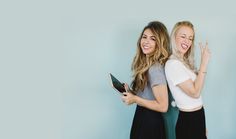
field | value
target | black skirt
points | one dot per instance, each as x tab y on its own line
191	125
147	124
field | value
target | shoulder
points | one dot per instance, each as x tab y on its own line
173	63
156	67
156	70
156	75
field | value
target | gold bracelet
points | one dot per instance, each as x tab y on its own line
204	72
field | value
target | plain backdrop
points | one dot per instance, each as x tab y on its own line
55	57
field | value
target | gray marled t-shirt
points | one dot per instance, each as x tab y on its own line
156	76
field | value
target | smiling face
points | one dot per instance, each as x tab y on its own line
148	42
184	39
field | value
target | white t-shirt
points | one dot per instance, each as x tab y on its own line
176	73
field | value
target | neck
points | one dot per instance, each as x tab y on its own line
178	56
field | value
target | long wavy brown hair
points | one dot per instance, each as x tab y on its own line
141	62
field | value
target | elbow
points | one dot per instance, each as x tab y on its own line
195	94
164	108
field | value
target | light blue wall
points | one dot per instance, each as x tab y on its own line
55	58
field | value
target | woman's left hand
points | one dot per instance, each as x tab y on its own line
128	98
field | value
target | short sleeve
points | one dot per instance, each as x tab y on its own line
156	75
176	72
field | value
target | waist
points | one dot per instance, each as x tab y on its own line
146	110
191	110
189	104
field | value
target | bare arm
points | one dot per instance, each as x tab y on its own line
160	103
191	88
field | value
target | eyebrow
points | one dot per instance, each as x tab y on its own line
185	35
150	36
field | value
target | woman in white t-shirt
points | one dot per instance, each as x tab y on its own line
185	84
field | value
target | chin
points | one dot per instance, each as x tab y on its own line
147	53
183	51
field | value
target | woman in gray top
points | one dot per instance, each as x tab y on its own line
149	88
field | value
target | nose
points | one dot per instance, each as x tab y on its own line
146	41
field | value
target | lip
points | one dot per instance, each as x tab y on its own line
145	47
184	46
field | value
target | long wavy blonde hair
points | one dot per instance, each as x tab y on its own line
188	59
141	62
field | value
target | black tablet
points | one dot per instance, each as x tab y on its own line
116	84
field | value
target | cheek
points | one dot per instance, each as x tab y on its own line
153	43
141	42
190	43
178	41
